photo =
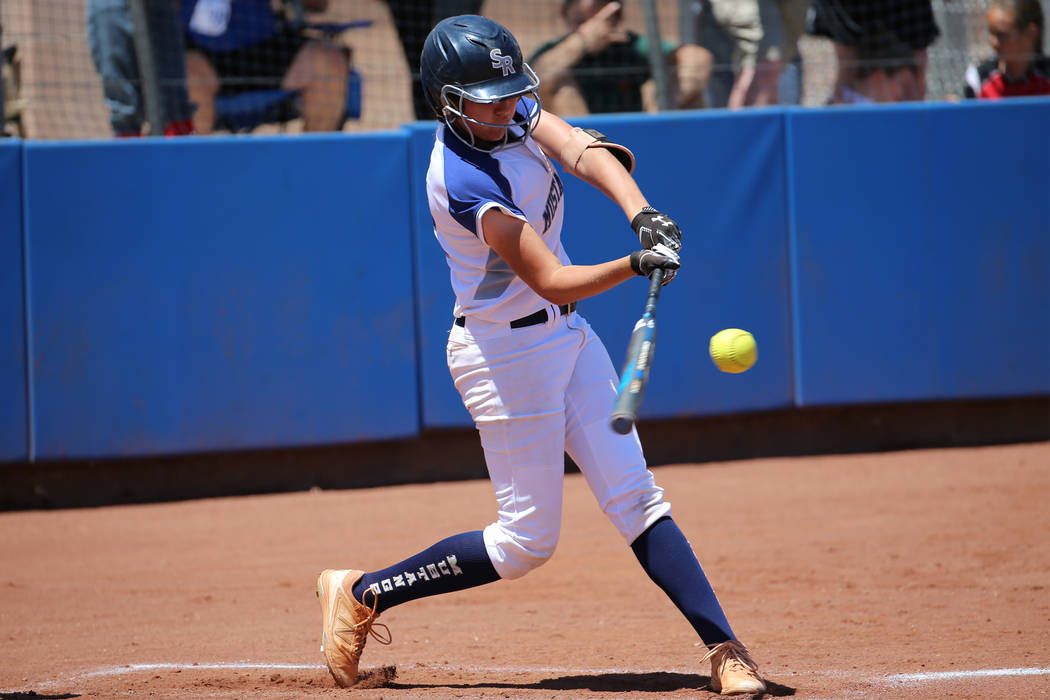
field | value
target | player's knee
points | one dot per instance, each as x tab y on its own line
515	553
525	560
635	510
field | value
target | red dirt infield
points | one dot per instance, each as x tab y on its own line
923	574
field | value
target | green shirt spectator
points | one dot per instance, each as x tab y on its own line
612	79
601	67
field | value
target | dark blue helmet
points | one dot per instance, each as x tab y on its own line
471	57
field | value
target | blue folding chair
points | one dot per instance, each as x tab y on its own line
243	112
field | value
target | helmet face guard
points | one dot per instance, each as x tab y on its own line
452	97
469	57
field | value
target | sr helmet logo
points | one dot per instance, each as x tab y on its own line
506	63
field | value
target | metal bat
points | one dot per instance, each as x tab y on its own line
635	374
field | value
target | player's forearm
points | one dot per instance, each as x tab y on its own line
575	282
601	169
596	166
529	257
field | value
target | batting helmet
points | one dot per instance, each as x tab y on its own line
471	57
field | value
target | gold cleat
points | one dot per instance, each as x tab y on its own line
346	623
733	671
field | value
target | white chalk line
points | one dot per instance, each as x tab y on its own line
126	669
953	675
234	666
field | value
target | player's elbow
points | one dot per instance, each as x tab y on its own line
558	297
554	287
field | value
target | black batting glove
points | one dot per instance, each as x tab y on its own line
644	262
654	227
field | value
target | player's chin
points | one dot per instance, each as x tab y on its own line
490	133
487	138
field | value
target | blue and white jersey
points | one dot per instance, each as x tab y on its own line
462	184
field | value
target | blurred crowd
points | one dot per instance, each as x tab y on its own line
179	67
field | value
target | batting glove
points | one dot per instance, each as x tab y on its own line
654	227
644	262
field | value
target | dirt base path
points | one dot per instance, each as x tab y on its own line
919	573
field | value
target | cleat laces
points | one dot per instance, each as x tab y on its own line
357	633
736	655
734	659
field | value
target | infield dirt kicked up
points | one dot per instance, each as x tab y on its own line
920	574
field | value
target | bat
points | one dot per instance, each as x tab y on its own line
635	374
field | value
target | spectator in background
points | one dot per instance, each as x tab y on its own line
886	71
111	36
235	46
414	19
752	41
849	23
601	67
1019	68
11	101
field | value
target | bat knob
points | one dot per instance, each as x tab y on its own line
622	424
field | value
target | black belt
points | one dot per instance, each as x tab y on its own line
530	320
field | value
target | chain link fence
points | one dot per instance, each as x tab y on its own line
53	89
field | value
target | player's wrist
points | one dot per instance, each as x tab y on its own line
636	220
653	227
644	262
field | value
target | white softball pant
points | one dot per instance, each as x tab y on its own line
535	394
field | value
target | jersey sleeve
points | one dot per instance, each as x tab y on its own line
475	184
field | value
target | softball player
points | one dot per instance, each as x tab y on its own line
534	376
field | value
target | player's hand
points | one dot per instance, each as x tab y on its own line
644	262
654	227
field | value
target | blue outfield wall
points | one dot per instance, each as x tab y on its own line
206	294
923	247
13	420
215	294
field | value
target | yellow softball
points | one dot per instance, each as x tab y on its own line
733	350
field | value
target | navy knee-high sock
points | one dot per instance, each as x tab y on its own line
452	564
666	556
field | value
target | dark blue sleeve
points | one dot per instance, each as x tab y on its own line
473	179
